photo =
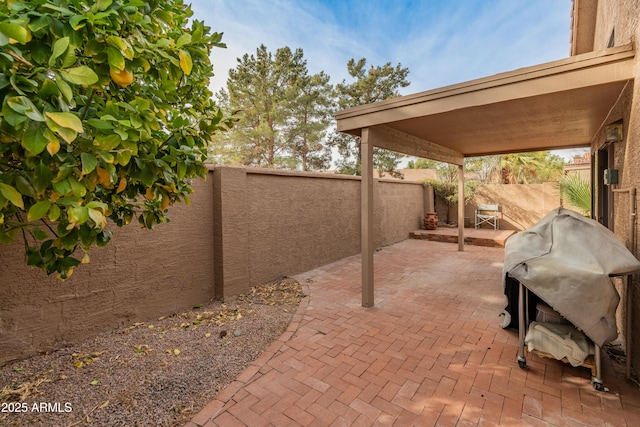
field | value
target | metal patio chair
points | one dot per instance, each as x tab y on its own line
487	214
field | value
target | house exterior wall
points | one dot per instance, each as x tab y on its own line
621	17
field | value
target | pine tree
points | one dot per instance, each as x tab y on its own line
282	112
372	85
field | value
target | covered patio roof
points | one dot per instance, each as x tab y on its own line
560	104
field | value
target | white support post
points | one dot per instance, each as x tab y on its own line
366	224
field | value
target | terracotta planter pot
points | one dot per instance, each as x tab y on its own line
430	221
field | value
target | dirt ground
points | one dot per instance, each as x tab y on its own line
159	373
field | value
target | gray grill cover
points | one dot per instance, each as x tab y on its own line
567	260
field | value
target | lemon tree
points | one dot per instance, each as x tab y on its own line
106	115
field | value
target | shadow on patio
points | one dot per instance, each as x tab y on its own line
430	352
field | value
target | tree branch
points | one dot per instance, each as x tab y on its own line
49	227
20	58
86	107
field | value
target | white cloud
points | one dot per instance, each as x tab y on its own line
440	42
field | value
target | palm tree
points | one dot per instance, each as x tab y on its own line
576	190
527	168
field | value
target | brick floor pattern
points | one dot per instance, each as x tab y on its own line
429	353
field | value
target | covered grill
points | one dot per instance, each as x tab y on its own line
566	262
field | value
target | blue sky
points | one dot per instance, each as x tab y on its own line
442	42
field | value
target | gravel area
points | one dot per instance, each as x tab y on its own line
156	373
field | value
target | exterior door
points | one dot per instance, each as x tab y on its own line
604	195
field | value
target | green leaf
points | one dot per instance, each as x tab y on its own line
64	88
116	42
11	194
60	9
33	257
182	170
183	40
39	210
69	135
37	24
62	187
98	205
77	188
66	120
164	16
82	75
48	88
136	121
59	47
147	176
42	178
69	201
69	58
116	60
78	215
100	124
33	139
123	157
107	142
14	31
4	81
101	5
76	22
11	116
106	156
23	105
7	237
54	212
24	187
89	162
39	234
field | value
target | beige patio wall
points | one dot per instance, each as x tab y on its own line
243	227
521	205
140	275
288	222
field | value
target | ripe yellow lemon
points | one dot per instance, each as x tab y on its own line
122	78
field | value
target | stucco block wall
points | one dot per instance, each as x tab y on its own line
521	205
298	221
243	227
397	210
140	275
622	17
231	235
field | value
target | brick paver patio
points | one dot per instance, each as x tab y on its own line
431	352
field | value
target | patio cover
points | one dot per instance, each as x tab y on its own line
560	104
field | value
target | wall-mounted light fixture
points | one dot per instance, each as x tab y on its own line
613	132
